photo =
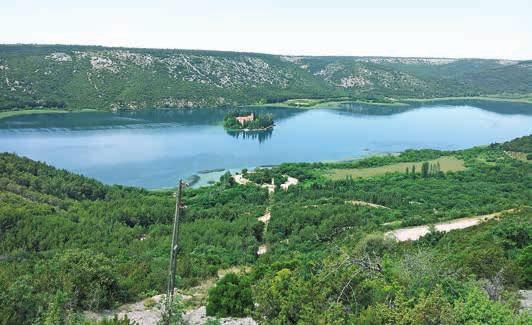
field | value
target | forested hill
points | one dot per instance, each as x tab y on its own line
78	77
69	244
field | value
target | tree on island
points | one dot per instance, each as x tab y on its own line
238	120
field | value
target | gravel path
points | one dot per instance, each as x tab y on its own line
414	233
369	204
240	179
289	182
265	218
526	299
199	316
136	312
263	249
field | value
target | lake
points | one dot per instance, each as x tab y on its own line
154	148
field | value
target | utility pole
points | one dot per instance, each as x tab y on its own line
173	250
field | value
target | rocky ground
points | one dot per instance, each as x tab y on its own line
199	316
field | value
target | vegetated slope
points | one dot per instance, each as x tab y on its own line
522	144
70	243
329	261
110	78
511	78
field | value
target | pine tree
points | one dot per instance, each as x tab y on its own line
425	170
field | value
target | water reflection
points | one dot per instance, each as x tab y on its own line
145	118
153	148
506	108
261	136
499	107
380	110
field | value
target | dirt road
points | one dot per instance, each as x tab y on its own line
414	233
369	204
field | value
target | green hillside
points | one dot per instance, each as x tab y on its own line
70	244
76	77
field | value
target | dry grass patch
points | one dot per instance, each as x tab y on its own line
447	163
518	155
364	203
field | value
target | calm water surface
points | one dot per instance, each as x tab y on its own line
154	148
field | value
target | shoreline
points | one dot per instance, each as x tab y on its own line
250	130
20	112
209	177
527	99
292	103
327	104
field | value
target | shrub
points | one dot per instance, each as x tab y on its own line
231	297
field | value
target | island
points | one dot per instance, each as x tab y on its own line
248	121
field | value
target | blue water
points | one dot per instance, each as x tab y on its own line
154	148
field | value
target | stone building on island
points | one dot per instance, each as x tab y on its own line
246	118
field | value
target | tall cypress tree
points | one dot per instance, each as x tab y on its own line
425	169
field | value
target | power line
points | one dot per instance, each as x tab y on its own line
173	250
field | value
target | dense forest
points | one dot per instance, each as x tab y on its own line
70	244
80	77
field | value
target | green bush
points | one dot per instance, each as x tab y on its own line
476	308
231	297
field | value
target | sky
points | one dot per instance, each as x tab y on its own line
410	28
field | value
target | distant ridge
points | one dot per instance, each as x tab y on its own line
79	76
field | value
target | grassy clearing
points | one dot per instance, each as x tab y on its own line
331	102
334	102
303	102
518	155
7	114
368	204
512	98
306	102
361	102
28	112
447	163
164	190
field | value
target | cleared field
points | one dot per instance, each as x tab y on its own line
517	98
6	114
303	102
333	102
518	155
447	163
